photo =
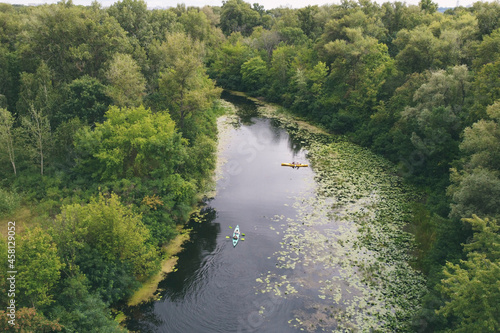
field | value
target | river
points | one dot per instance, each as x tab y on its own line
265	283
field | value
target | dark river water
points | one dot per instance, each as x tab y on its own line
214	288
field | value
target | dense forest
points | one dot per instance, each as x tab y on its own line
108	136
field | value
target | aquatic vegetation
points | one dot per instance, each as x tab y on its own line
345	253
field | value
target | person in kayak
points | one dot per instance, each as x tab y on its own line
236	234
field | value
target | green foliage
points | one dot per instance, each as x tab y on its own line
131	142
86	99
9	202
186	86
37	92
428	6
7	136
254	72
418	49
72	40
127	84
471	288
393	77
238	16
486	89
37	133
28	319
109	227
111	280
226	66
133	16
39	268
476	188
488	15
79	310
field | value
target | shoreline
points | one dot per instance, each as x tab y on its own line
149	288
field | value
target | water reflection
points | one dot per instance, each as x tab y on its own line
246	109
202	242
213	290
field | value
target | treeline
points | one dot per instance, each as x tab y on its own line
107	138
417	86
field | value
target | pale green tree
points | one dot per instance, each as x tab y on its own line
38	266
127	84
184	82
36	128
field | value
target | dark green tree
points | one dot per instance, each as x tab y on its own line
86	99
238	16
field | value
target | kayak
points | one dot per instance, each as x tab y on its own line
236	235
293	165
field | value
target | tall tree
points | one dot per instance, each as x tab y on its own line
86	99
238	16
6	136
133	16
72	40
184	82
475	188
127	84
37	131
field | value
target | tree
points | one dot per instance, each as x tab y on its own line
481	141
127	84
307	21
29	320
418	49
86	99
428	6
37	130
6	136
72	40
133	16
254	74
39	268
488	15
37	91
184	82
109	227
434	124
486	89
360	65
488	51
238	16
476	188
471	288
79	310
226	67
36	106
132	142
196	24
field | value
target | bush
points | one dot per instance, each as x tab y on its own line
9	201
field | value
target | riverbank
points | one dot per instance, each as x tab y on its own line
149	289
